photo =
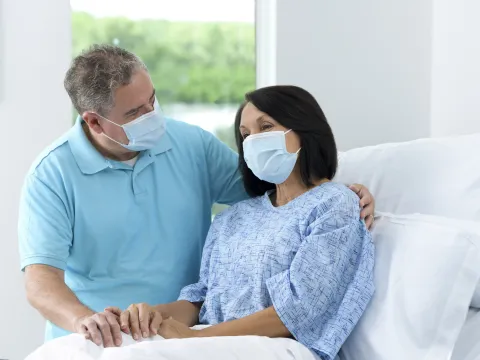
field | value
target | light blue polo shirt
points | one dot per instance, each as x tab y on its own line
125	234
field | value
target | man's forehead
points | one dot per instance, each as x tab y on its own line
136	94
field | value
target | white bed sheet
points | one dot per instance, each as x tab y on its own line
467	346
75	347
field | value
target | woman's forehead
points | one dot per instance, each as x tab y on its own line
251	115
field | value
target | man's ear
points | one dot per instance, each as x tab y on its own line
92	120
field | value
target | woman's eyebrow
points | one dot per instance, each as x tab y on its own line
260	118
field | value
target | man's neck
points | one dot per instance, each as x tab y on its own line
109	153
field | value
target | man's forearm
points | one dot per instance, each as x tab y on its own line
48	293
183	311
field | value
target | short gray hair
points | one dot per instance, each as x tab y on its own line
96	74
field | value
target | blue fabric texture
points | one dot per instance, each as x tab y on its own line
312	260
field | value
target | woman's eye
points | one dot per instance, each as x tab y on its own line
266	127
244	136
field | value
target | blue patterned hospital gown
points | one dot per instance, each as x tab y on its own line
312	259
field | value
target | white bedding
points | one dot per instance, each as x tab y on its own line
75	347
468	342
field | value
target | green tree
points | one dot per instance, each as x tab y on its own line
189	62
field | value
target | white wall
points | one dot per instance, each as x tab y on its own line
34	110
383	71
456	67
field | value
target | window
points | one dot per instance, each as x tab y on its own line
200	54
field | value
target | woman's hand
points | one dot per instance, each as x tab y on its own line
367	202
173	329
141	320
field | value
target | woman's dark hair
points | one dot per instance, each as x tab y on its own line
295	109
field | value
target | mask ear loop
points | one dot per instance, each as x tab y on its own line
285	133
115	141
110	121
108	137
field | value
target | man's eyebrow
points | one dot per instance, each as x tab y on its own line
134	110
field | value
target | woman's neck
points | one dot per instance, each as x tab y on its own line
292	188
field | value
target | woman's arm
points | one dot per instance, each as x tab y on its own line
182	310
323	294
262	323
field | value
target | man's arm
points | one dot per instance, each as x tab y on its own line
47	292
45	238
226	185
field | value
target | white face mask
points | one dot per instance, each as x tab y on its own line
267	156
144	132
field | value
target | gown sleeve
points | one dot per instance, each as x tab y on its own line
323	294
196	293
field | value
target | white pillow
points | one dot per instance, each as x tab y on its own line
468	226
476	297
467	346
425	274
429	176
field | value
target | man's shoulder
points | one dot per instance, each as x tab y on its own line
54	156
182	130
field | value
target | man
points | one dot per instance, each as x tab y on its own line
117	210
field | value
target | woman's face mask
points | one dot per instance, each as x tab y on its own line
267	156
144	132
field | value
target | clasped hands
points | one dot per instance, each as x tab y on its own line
138	320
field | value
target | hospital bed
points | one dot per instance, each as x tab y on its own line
427	235
427	196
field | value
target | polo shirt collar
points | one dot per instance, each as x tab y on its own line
89	160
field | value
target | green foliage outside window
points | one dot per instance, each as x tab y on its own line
189	62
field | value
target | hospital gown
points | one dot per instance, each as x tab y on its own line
312	259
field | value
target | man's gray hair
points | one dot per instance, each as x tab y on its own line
96	74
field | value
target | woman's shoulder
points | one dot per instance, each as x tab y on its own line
242	208
336	197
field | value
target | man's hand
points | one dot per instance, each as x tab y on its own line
100	326
142	320
367	202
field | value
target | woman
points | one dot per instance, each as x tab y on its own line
296	260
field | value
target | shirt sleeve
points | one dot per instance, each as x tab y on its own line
324	293
226	185
197	292
44	228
